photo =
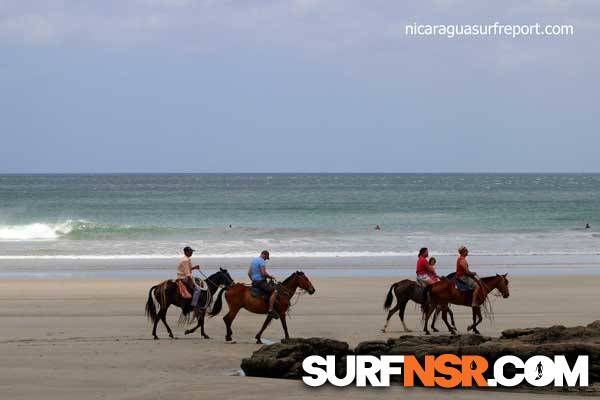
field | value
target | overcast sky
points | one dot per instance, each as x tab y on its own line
295	86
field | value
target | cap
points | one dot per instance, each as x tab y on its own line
188	249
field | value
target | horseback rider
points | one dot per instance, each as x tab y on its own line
184	273
466	276
426	274
258	275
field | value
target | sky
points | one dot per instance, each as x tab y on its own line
295	86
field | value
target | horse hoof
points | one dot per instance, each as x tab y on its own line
475	331
206	336
156	338
435	329
453	332
258	341
228	339
428	333
174	337
187	332
383	330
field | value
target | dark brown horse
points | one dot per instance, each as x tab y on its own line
404	291
445	292
167	293
239	296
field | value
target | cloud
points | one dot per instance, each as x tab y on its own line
341	30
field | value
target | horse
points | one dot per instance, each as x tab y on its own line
404	291
238	296
445	292
167	293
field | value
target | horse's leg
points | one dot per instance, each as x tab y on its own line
264	326
190	331
156	319
228	319
163	318
470	327
451	317
402	304
162	315
445	319
284	325
479	319
430	310
201	322
435	315
390	313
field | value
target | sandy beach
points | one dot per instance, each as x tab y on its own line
89	339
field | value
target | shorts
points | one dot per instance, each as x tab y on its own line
470	282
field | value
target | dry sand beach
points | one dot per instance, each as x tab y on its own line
89	339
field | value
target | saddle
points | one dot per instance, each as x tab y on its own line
257	292
458	284
184	290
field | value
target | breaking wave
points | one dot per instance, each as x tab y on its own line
36	231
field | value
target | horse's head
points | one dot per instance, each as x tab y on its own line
502	285
224	278
304	283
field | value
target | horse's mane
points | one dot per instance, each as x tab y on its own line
288	278
215	274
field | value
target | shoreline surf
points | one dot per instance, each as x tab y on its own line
401	266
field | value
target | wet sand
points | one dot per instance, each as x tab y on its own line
89	339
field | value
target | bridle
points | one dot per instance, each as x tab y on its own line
499	294
290	294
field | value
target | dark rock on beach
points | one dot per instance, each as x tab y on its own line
284	360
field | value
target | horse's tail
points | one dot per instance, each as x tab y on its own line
218	304
150	307
390	297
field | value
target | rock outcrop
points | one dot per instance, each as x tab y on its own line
284	360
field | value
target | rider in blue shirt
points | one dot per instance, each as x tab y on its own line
258	275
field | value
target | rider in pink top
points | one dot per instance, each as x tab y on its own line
426	269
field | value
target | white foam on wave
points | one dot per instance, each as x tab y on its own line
283	255
36	231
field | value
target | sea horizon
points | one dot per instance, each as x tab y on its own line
310	215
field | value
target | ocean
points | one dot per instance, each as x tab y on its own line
296	215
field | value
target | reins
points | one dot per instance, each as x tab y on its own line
210	295
290	294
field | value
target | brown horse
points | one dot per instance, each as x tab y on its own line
167	294
404	291
238	296
445	292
